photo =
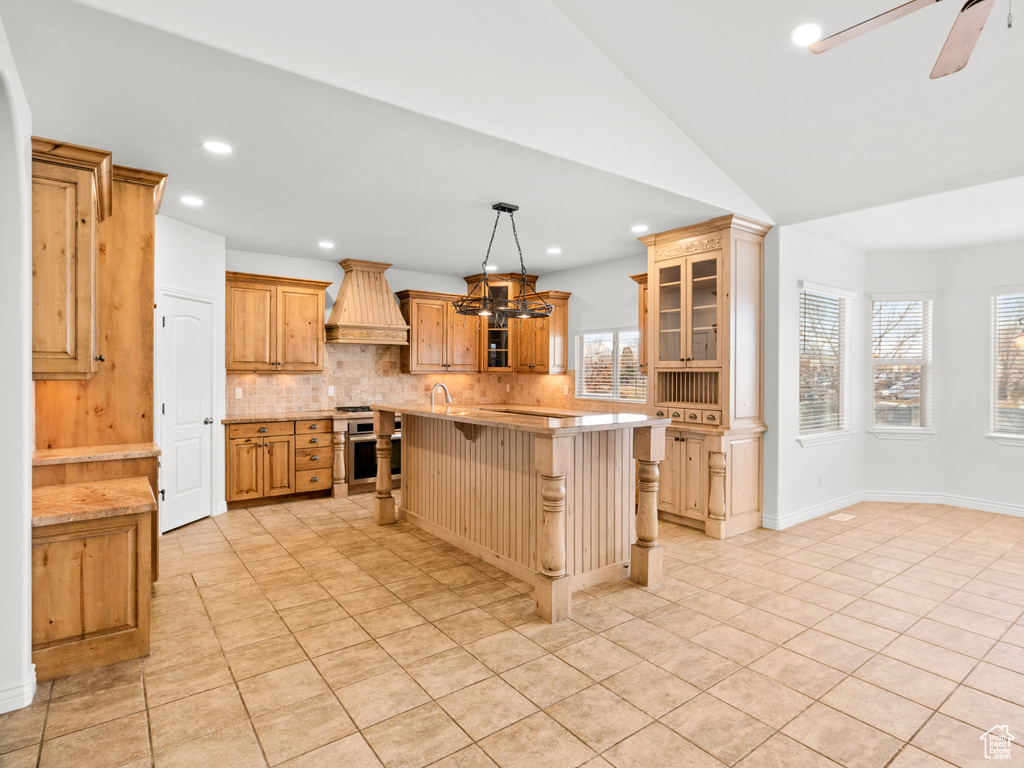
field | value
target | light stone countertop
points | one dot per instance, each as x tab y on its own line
289	416
54	504
527	418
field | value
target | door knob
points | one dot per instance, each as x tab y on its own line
207	420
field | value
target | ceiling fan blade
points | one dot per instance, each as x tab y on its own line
866	26
962	38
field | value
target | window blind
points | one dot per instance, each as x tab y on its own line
608	366
1008	365
901	362
822	362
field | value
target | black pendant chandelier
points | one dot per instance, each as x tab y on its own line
523	303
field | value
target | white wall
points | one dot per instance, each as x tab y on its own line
193	261
17	674
959	464
315	269
805	481
603	295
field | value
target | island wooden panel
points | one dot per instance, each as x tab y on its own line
478	488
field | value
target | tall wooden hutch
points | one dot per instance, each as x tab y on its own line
705	346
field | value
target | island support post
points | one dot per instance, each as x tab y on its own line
646	564
384	503
553	458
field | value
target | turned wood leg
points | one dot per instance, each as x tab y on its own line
552	531
716	496
339	487
646	556
553	588
384	502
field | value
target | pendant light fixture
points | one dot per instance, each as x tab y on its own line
523	303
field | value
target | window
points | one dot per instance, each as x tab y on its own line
823	331
608	366
901	331
1008	365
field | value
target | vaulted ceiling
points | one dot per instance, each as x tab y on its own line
390	127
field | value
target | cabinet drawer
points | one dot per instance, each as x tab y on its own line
691	416
264	429
312	480
314	458
712	417
322	426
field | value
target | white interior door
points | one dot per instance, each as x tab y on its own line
185	328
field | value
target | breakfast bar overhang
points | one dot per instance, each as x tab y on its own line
549	496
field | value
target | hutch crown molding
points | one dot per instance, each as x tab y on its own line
705	347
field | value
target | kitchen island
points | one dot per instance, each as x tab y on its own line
546	495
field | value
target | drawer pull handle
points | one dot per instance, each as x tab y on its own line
315	458
675	414
661	413
314	426
693	416
314	440
262	429
314	480
711	417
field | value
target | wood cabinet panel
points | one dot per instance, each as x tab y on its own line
67	184
317	426
427	350
252	340
441	340
670	483
300	316
313	458
462	342
278	465
312	480
261	429
695	479
245	469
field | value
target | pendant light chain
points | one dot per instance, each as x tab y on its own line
522	264
493	231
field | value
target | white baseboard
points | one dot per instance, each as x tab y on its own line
809	513
982	505
222	507
905	497
20	694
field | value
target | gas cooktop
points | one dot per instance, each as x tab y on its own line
352	408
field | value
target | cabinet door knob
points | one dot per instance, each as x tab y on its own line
101	359
262	429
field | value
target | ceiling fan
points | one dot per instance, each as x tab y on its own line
959	45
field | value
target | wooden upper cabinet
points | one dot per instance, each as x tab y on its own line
274	323
71	195
542	344
641	282
441	341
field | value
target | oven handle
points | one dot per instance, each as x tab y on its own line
365	438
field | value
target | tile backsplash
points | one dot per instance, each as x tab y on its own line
364	374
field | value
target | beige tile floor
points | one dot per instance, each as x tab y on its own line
303	635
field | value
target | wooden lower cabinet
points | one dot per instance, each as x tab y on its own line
278	458
683	486
90	594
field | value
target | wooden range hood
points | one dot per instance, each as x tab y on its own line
366	311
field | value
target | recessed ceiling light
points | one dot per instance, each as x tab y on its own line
326	244
217	147
554	251
807	34
191	200
492	268
640	228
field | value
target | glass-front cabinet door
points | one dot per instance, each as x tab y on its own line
497	338
702	274
669	322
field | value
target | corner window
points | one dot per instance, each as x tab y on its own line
608	366
1008	365
901	349
824	326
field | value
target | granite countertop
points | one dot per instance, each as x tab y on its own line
54	504
48	456
290	416
525	418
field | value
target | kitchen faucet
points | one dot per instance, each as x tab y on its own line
447	397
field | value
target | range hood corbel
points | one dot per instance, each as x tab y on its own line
366	311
